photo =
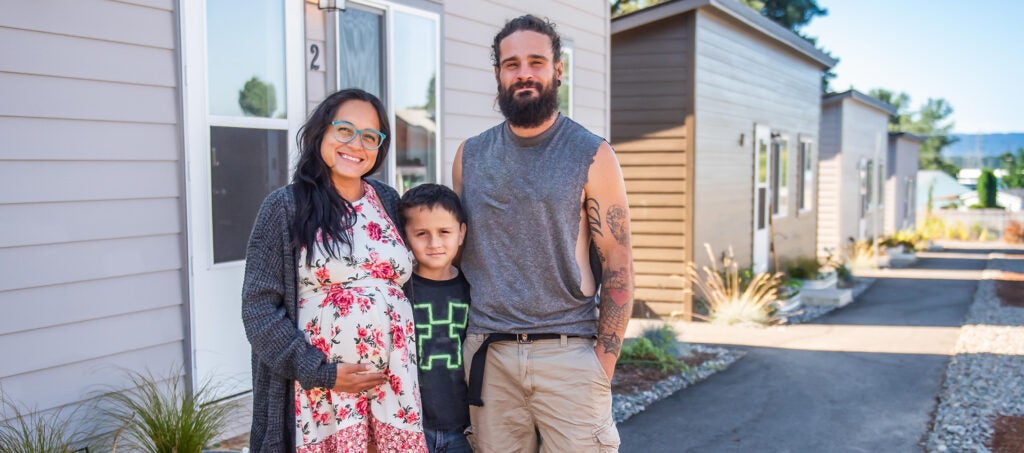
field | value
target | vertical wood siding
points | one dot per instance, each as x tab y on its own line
469	85
743	79
651	126
90	196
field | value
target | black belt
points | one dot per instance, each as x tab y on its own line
476	368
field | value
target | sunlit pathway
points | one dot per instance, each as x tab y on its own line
863	378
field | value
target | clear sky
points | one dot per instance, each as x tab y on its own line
970	52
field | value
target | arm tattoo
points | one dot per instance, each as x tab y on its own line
616	308
594	216
617	222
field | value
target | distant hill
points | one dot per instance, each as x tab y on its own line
982	150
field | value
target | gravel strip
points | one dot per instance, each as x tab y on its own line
984	378
625	406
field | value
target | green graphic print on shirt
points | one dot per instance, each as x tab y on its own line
454	325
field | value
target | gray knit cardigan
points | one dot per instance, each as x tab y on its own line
281	354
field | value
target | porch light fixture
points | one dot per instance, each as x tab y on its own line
332	5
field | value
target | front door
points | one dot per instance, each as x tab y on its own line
762	197
243	108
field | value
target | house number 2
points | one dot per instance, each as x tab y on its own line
315	50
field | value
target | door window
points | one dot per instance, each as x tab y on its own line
248	116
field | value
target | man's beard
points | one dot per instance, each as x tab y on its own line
528	111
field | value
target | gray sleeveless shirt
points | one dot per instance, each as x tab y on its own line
522	198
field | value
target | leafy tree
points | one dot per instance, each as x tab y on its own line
1014	165
620	7
987	189
431	105
792	14
929	122
257	98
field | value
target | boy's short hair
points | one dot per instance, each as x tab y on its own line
431	196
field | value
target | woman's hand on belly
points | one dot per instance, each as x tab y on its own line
355	378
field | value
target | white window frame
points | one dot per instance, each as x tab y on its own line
389	9
197	119
782	169
569	48
808	167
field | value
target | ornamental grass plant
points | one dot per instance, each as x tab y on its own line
730	299
161	416
26	431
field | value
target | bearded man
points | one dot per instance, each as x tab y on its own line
542	195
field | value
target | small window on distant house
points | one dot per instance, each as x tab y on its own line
565	90
869	185
881	184
805	176
780	176
909	199
862	168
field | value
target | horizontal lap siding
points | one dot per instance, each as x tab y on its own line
858	130
743	79
90	196
469	87
651	120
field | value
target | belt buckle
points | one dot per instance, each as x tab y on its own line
523	339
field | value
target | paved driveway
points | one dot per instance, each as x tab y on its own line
861	379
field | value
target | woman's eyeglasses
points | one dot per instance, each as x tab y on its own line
345	132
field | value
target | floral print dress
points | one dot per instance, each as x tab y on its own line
353	309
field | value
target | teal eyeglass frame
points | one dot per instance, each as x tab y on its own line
358	133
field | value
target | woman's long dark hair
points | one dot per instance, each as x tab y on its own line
319	208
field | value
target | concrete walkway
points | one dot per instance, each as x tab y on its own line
862	379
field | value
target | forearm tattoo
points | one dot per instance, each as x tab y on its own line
616	305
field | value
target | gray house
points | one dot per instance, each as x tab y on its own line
139	136
853	165
714	116
901	182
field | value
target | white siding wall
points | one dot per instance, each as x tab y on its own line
861	130
90	196
829	181
903	158
742	79
469	85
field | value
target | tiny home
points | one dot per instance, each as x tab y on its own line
901	182
853	165
139	137
715	113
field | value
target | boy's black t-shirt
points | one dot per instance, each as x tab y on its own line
441	311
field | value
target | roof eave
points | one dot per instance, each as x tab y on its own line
732	8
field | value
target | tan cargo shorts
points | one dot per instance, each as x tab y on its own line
556	389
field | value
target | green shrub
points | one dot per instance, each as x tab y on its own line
663	338
643	352
987	189
806	268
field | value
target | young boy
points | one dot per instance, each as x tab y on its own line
435	226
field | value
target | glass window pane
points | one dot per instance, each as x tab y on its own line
565	90
360	50
246	165
246	58
415	99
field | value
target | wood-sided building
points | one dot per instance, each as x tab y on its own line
854	159
715	112
901	182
